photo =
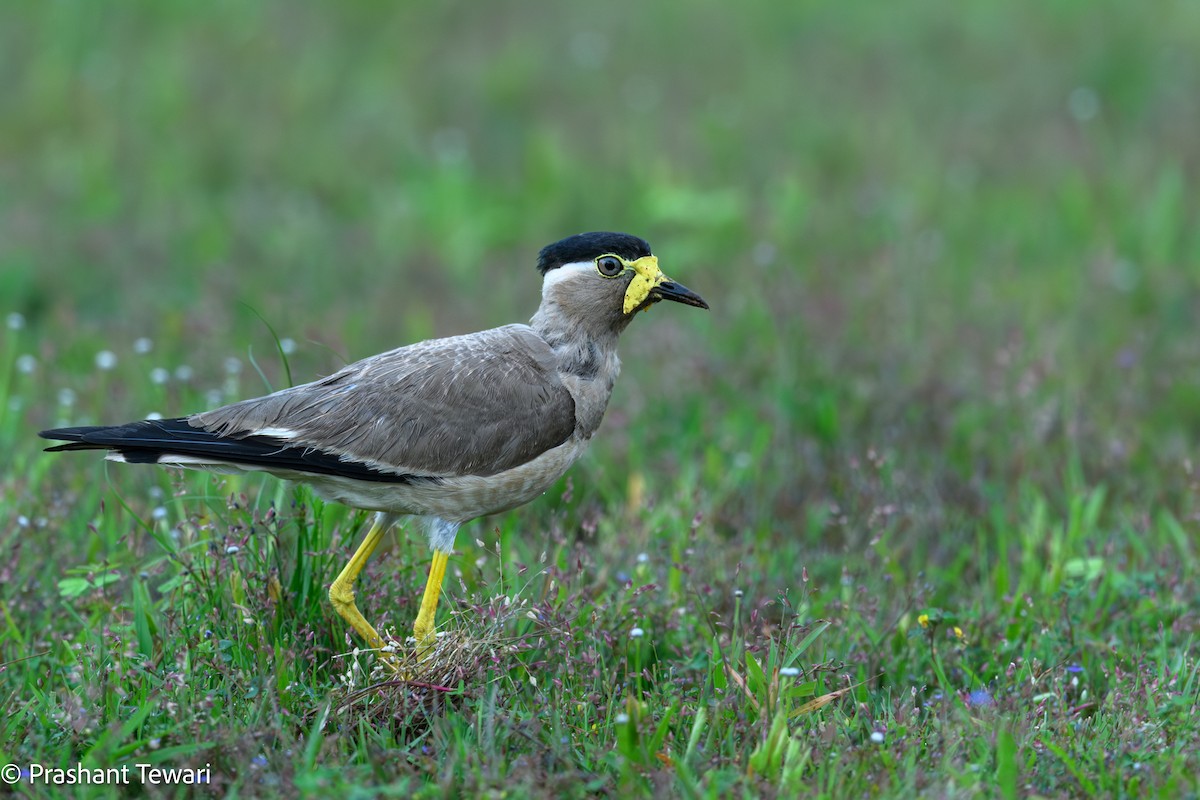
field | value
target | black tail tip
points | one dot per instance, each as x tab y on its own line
64	434
76	438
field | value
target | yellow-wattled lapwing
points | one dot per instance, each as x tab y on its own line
446	429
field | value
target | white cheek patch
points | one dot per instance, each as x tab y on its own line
567	272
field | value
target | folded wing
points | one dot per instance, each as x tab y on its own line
468	405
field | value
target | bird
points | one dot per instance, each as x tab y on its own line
446	430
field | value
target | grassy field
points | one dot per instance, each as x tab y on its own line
914	510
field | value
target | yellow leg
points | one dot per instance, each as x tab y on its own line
423	628
341	591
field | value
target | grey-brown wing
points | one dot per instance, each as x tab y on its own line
467	405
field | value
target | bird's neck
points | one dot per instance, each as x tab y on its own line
587	364
585	353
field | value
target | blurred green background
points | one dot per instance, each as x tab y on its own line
951	253
914	225
917	227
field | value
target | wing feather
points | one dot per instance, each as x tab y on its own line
468	405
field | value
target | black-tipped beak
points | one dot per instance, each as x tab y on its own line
669	290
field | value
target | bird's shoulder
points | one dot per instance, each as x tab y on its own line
506	349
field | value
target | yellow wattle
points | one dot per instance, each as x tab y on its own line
646	276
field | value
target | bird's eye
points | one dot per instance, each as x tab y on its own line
609	266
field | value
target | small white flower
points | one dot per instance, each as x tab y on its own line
66	397
287	345
738	593
789	672
22	521
16	321
159	512
1084	103
183	373
159	375
26	364
589	49
450	145
877	737
233	548
636	633
142	345
764	254
106	359
621	718
642	558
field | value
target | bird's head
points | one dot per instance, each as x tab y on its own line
606	278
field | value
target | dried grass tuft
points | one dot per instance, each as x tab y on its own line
426	681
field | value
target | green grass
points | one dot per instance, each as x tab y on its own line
914	510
